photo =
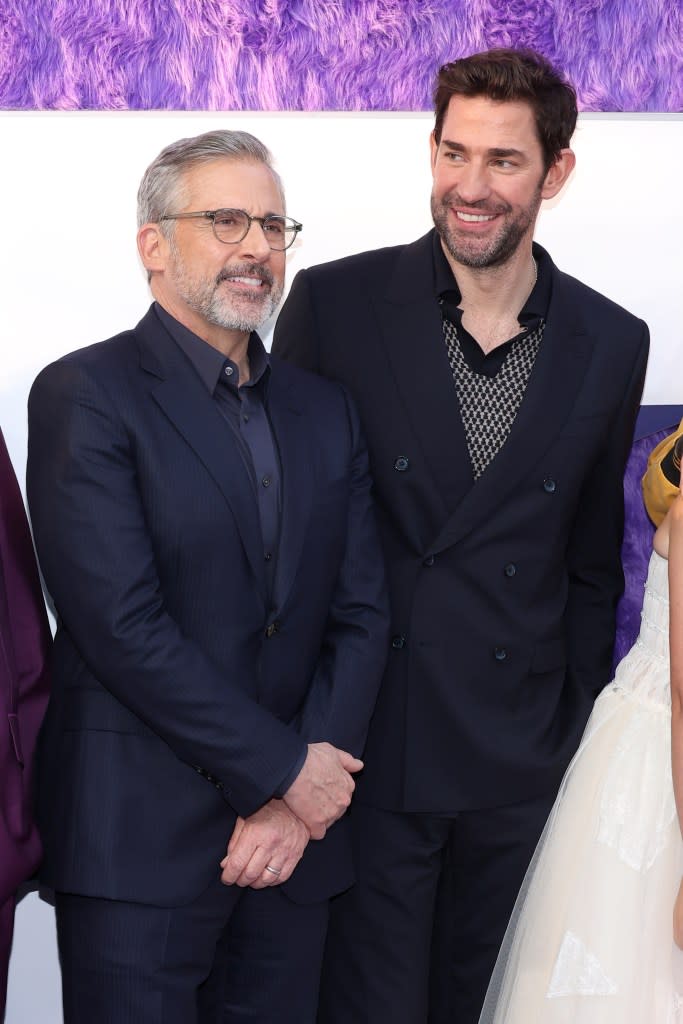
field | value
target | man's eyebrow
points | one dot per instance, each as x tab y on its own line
500	152
497	151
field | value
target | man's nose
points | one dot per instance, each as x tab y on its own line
473	182
255	243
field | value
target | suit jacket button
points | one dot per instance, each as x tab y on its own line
549	485
500	654
401	464
429	560
272	628
510	569
398	642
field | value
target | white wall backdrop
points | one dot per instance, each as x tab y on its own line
69	273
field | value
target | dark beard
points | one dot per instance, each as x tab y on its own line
501	249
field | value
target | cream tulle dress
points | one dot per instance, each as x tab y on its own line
590	940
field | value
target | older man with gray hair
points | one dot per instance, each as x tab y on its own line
203	519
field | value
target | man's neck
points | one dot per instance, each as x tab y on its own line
492	297
232	344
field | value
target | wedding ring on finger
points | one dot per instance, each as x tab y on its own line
273	871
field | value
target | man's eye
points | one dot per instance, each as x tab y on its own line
274	226
225	220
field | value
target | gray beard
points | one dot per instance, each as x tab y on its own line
220	313
232	314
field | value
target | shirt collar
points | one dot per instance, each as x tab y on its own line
535	307
208	361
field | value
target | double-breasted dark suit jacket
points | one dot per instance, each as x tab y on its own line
24	683
182	695
503	592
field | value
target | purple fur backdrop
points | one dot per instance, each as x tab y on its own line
621	55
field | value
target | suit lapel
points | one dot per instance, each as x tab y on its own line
183	398
412	333
292	430
557	375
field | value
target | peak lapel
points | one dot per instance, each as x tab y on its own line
184	400
412	334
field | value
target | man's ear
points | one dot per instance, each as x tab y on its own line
433	147
557	174
153	248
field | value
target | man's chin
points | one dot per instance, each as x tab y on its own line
247	321
492	253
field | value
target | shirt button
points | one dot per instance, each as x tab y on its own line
499	653
429	560
245	418
228	371
267	556
398	642
401	464
272	628
510	569
549	485
266	481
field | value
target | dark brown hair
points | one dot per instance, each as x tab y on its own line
522	75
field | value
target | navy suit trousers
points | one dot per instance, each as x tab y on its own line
232	955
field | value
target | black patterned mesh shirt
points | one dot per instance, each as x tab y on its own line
490	386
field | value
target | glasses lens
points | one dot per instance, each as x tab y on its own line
230	225
280	231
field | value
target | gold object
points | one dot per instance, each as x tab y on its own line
658	491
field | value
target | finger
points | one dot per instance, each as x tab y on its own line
237	859
271	876
349	762
234	839
268	879
254	870
237	831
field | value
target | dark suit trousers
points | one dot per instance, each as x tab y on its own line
416	939
232	955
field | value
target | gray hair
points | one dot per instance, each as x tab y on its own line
161	188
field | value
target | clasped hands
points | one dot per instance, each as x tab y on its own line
265	848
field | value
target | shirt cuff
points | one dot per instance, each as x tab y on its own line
292	775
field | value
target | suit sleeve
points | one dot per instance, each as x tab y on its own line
354	650
97	558
27	646
596	578
296	332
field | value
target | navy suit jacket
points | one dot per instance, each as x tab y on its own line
182	697
503	592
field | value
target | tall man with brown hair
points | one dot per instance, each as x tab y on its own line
498	396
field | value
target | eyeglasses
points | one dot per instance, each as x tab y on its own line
231	226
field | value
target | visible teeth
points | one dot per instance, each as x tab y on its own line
254	282
474	218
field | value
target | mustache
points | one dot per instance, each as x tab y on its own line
453	198
246	270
